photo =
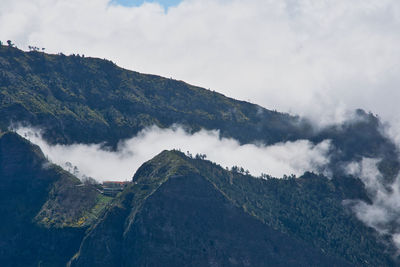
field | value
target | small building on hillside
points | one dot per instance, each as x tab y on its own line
112	188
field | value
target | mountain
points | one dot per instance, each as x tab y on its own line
174	215
45	210
178	210
63	94
75	99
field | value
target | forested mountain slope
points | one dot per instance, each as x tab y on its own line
50	218
175	215
63	94
178	211
88	100
44	209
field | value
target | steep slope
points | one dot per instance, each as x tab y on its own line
77	99
88	100
174	216
44	211
309	208
64	94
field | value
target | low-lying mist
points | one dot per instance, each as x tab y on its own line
280	159
384	213
94	161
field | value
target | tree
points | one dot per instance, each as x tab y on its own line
201	156
265	176
9	43
33	48
87	180
235	169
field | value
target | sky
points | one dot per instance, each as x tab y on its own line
308	57
165	3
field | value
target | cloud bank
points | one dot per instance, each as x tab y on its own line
276	160
315	58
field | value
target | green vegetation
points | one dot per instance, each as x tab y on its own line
73	205
89	100
64	94
308	209
177	207
55	211
171	215
42	207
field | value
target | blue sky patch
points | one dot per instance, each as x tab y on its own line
165	3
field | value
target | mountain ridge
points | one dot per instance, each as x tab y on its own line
286	206
180	192
74	99
58	93
243	193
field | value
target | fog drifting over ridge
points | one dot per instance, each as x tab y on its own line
276	160
384	213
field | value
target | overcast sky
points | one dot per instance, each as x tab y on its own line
318	58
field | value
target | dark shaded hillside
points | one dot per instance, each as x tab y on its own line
44	213
174	216
309	208
178	211
173	192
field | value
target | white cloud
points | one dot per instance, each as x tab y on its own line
276	160
384	212
317	58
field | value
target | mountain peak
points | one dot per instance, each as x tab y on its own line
165	164
174	216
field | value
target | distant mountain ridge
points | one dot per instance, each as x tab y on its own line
178	210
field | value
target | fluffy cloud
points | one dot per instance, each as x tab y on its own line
277	160
318	58
384	212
